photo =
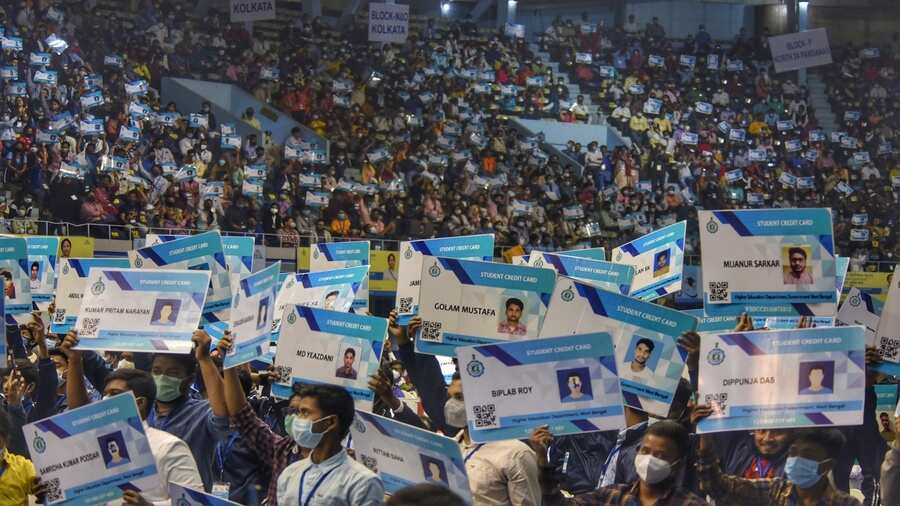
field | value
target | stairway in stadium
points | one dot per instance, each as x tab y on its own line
818	100
574	89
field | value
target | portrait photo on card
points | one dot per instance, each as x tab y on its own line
816	378
261	312
113	449
165	312
574	384
661	261
433	469
347	361
511	317
640	358
330	299
9	286
796	268
35	275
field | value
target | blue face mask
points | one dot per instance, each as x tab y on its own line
302	432
802	472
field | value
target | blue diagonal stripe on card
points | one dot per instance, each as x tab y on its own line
373	422
827	243
802	309
152	255
741	341
457	268
305	312
630	249
819	419
584	425
631	400
119	279
51	426
609	362
729	218
593	298
498	353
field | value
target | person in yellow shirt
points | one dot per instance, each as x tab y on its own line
639	126
18	478
664	125
757	127
250	118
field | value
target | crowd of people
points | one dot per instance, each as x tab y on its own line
221	431
421	142
422	145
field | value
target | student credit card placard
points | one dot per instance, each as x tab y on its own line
413	253
768	256
658	261
141	310
568	383
465	302
783	378
650	363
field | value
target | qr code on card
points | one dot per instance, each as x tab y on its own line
89	326
405	305
718	291
889	349
54	491
485	415
59	316
431	331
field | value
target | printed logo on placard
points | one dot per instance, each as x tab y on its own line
475	368
619	256
316	253
854	301
712	227
568	295
138	262
539	262
66	269
715	356
237	299
359	425
98	287
38	443
434	270
183	501
408	253
292	318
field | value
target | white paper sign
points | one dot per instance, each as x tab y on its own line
388	22
800	50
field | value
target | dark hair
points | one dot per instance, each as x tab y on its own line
801	251
425	493
7	275
186	361
36	264
830	440
333	292
515	301
672	431
65	240
646	342
139	382
333	400
350	351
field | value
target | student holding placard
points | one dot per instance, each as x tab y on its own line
174	461
200	423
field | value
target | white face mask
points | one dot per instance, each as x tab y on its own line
455	412
652	469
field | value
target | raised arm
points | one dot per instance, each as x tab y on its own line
215	392
76	392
